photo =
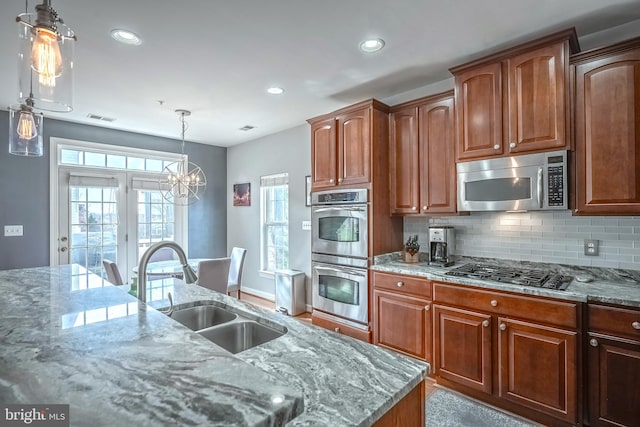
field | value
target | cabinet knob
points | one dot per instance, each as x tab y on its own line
413	208
331	180
503	326
593	342
485	323
636	326
496	147
494	303
339	179
400	284
512	145
427	307
424	208
337	330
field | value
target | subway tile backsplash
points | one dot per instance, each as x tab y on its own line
556	237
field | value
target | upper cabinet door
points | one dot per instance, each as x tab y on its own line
607	121
354	146
323	154
404	161
437	157
537	99
479	111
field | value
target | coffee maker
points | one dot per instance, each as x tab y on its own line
441	245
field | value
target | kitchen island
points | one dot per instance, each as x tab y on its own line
69	338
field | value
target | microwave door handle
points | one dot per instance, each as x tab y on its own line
540	187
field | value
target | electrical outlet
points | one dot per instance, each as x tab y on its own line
12	230
590	247
306	225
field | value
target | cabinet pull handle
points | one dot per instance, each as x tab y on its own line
485	323
503	326
337	330
427	307
512	145
496	147
494	303
636	326
400	284
593	342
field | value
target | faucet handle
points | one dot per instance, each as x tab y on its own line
170	311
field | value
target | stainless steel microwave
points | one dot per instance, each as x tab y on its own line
521	183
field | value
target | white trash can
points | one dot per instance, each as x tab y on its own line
290	292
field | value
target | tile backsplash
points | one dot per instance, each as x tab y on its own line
556	237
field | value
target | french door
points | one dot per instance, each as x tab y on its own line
112	215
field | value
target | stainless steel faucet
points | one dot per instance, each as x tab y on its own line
189	275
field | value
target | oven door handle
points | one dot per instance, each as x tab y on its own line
352	209
341	270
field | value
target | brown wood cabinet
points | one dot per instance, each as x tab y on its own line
515	351
515	101
422	156
614	366
402	314
342	145
328	322
607	130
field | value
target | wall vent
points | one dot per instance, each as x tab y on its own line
102	118
247	128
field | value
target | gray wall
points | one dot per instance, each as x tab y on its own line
24	192
287	151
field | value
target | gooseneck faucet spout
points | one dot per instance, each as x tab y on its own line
189	275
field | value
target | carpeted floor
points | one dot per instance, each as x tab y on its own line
449	409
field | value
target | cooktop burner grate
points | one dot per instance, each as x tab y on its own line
536	278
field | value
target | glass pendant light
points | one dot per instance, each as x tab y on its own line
183	182
25	130
45	59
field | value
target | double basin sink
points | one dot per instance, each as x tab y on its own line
229	330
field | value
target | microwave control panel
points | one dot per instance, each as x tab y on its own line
555	185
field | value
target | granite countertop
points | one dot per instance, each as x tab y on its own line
608	285
118	361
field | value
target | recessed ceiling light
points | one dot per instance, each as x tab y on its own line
371	45
275	90
126	37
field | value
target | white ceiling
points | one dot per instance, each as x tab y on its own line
217	58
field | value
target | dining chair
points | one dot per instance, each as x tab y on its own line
214	274
235	270
113	273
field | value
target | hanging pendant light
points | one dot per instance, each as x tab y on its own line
25	130
45	59
183	182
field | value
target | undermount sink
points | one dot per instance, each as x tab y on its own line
239	336
203	316
231	331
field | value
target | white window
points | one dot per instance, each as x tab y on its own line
274	208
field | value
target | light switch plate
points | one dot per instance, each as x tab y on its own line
12	230
306	225
590	247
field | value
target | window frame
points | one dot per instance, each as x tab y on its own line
265	201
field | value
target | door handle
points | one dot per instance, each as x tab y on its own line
540	187
63	249
63	239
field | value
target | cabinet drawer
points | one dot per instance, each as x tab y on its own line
397	282
327	322
614	321
549	311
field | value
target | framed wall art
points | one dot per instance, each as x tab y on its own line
242	194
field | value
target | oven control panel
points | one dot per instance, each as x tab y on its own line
339	196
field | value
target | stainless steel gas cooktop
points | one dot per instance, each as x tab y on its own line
536	278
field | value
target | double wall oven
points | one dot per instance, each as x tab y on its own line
339	255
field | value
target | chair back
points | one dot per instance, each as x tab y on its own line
113	273
214	273
235	270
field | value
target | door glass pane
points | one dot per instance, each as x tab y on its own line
498	189
339	289
156	220
339	229
94	231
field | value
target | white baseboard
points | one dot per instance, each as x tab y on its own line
266	295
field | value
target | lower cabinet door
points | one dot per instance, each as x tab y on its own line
403	323
614	381
537	367
463	347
